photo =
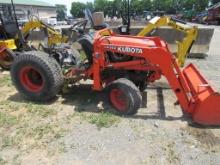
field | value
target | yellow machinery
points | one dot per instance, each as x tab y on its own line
18	41
6	55
53	37
6	45
10	44
185	45
13	41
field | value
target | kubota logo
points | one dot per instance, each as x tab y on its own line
124	49
130	50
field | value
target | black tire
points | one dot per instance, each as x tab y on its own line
41	71
131	94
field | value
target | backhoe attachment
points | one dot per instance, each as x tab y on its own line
184	46
53	36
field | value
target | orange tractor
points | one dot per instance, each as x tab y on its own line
39	77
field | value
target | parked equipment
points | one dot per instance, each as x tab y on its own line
15	39
214	14
149	59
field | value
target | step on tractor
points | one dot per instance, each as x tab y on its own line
39	77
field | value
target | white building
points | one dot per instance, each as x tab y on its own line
25	8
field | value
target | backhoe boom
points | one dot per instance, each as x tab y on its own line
185	45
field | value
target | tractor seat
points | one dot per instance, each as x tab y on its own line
102	26
87	45
11	29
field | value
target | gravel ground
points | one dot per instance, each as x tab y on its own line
74	130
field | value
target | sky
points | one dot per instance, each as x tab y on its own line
66	2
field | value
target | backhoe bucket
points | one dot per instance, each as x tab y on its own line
205	101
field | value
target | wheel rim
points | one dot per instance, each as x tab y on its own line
119	100
31	79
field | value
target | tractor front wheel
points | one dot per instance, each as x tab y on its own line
37	76
124	96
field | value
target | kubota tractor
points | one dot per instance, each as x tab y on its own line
39	77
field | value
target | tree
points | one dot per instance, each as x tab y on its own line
100	5
196	5
115	7
147	5
215	1
108	7
61	12
162	5
90	6
77	9
136	7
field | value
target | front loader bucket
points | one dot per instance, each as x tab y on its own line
205	101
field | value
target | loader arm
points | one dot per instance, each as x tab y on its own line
185	45
54	36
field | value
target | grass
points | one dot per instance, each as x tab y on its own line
9	106
104	119
7	120
27	126
54	131
32	108
5	81
6	141
172	155
2	161
40	110
28	137
101	120
47	131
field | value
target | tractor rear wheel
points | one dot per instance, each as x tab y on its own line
124	96
37	76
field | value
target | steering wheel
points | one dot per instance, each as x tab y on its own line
80	26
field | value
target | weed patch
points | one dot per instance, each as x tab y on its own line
7	120
3	161
5	81
39	110
104	119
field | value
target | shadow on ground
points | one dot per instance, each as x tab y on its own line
84	99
